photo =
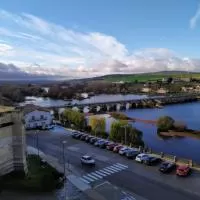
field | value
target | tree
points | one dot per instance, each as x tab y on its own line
165	123
74	117
98	125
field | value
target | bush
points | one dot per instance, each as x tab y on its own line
165	123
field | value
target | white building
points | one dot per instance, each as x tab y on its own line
37	117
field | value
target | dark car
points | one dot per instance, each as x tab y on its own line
83	137
87	139
103	144
131	154
74	135
150	160
167	167
110	146
78	135
93	140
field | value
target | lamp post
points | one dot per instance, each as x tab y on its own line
125	138
63	145
37	142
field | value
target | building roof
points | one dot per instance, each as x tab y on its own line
4	109
30	108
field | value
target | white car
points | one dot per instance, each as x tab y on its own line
140	157
87	160
123	150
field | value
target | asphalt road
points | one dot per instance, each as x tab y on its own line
139	179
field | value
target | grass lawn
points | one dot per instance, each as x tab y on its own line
41	177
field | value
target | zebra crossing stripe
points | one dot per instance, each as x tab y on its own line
92	176
97	172
110	168
116	168
122	165
93	173
89	179
107	173
82	179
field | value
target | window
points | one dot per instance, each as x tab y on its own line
41	116
33	118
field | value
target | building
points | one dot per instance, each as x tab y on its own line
146	89
12	141
162	91
37	117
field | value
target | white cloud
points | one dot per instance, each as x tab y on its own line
40	47
195	18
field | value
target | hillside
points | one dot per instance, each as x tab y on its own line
150	76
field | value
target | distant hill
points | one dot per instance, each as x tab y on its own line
153	76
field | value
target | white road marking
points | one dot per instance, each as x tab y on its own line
89	179
108	170
93	173
115	168
112	169
82	179
107	173
122	165
119	166
92	176
98	172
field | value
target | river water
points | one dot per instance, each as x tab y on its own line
188	113
182	147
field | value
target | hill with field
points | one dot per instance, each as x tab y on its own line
143	77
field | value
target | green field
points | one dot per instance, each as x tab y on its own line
149	77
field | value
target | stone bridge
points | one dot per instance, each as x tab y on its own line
151	102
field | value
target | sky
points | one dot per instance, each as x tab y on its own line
85	38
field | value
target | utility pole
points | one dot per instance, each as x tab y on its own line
125	133
37	142
63	145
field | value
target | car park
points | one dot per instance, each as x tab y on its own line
117	148
167	167
87	160
131	154
123	150
151	160
140	157
183	170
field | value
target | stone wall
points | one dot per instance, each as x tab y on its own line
12	144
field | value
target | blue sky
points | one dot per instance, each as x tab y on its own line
95	37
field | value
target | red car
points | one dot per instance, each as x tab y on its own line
117	148
111	146
183	170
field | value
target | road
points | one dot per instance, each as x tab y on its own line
127	174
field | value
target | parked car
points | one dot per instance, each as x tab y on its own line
103	144
117	148
151	160
140	157
88	137
98	142
131	154
78	135
183	170
123	150
83	137
87	160
74	134
167	167
93	140
111	146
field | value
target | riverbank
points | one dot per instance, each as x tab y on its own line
172	133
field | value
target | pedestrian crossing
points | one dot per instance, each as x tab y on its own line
102	173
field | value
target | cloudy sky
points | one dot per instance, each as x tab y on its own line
76	38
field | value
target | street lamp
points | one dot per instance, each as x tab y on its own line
63	145
37	142
125	126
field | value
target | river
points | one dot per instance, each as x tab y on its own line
182	147
188	113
